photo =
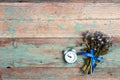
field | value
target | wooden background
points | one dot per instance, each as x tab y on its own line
33	34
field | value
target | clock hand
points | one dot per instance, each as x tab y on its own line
69	56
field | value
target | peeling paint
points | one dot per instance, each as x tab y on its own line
9	11
82	26
11	30
79	26
23	56
25	29
28	54
63	17
93	25
51	16
62	26
15	19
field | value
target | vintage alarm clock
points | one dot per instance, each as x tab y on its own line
70	56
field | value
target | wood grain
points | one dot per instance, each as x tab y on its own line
58	19
68	1
64	28
48	11
47	52
31	73
33	36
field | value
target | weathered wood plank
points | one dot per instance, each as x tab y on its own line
59	11
57	19
68	1
64	28
46	52
58	25
73	41
31	73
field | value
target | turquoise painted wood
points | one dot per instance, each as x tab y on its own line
32	73
58	19
56	27
33	36
21	54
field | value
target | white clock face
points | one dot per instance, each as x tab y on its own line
70	57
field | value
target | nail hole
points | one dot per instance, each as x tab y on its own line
14	44
110	73
21	1
41	61
8	67
57	58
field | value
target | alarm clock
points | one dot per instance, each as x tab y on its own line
70	56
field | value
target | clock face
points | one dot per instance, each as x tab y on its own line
70	57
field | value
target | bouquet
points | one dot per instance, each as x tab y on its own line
97	41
